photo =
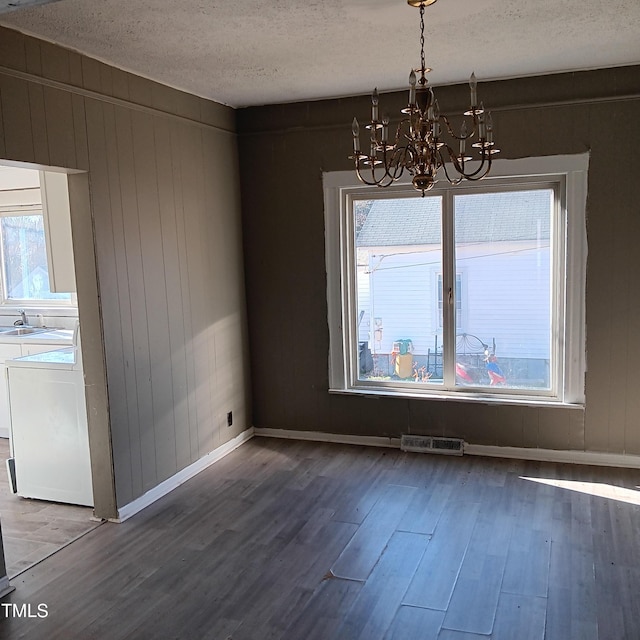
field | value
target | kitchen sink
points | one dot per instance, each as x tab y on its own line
20	331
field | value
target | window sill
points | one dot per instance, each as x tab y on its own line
489	399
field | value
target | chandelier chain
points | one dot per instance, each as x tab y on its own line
422	62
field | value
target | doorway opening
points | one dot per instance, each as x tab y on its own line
51	426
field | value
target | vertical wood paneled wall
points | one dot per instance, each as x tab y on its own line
165	199
285	148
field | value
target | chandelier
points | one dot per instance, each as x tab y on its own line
418	146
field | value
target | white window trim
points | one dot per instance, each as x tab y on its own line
574	170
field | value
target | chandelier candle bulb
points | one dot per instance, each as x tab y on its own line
385	129
481	125
489	128
473	83
412	87
374	106
463	138
355	129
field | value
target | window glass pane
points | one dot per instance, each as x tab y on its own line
26	273
398	256
503	252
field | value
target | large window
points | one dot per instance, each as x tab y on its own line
473	290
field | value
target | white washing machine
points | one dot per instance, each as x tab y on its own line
49	435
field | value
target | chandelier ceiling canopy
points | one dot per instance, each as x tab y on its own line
425	141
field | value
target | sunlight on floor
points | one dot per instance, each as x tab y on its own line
598	489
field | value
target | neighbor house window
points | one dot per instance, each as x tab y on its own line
25	271
396	262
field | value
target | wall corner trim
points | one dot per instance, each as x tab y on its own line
168	485
519	453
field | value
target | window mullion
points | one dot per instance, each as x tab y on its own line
558	284
448	291
349	311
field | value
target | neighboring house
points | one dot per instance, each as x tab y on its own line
35	286
502	273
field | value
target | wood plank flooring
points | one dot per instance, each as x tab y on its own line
34	529
306	541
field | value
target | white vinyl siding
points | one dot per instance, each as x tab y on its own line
397	281
492	316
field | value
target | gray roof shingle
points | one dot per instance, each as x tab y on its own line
487	217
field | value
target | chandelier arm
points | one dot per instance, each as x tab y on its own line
459	167
386	179
380	181
395	167
410	130
451	180
417	163
393	170
373	181
453	134
364	180
474	177
398	132
406	155
482	170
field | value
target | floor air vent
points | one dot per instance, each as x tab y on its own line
432	444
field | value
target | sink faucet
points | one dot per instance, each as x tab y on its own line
23	317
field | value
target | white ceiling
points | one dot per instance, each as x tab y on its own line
254	52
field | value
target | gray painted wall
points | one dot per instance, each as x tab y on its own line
165	202
283	151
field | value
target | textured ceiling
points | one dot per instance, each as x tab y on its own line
260	52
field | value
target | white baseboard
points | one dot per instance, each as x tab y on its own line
519	453
597	458
319	436
5	587
168	485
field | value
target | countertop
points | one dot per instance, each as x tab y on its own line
57	359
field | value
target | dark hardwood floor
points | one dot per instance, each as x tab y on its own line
34	529
305	541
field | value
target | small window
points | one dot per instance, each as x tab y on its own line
25	272
470	290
